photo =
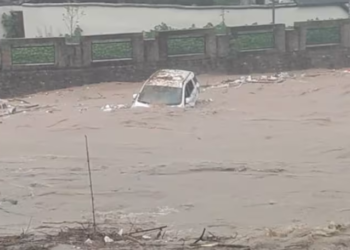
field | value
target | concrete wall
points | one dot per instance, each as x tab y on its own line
74	64
46	20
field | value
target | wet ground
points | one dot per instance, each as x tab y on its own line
258	156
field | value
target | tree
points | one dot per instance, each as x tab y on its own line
13	24
71	18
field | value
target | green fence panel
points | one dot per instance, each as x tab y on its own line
186	45
111	50
43	54
253	41
324	35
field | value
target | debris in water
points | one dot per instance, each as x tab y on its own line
121	106
108	240
88	242
14	106
146	237
272	202
3	104
11	201
236	83
111	108
108	108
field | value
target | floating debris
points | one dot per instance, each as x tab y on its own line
88	242
108	240
146	237
111	107
14	106
236	83
108	108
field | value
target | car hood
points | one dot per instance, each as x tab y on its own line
137	104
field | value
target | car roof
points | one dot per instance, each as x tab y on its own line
169	77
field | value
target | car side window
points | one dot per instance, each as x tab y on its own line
189	89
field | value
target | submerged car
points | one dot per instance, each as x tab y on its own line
169	87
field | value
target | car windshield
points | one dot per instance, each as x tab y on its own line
163	95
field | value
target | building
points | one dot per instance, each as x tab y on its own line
46	19
298	2
321	2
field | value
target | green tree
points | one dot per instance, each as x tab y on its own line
10	24
71	18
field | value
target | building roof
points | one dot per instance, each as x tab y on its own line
320	2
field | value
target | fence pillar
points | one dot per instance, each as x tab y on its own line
292	40
86	44
210	45
280	37
151	50
6	61
223	45
138	48
345	34
302	34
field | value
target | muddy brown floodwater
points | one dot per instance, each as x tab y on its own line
259	156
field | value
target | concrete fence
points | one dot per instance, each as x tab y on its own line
192	44
123	57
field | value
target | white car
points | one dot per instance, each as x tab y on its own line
175	88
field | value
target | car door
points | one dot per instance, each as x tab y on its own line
196	88
190	94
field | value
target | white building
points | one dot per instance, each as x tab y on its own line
45	20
